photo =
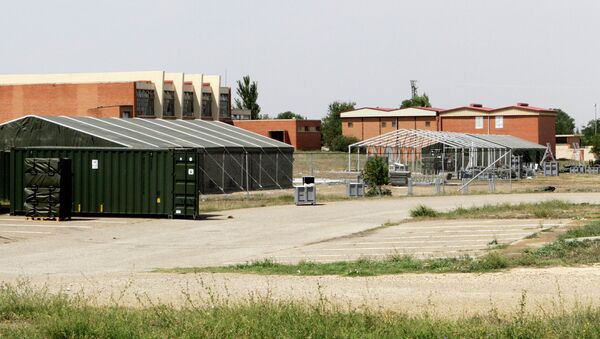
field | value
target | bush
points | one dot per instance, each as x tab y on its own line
423	211
340	143
376	173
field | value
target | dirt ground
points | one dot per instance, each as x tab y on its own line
111	258
542	291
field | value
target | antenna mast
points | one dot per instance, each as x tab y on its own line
414	89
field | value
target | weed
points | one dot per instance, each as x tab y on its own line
423	211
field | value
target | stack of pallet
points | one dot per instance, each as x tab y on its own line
47	188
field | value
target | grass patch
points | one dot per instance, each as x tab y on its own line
27	313
423	211
557	209
559	252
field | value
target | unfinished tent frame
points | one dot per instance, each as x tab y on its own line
425	152
147	162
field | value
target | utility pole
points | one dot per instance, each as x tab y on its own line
414	88
595	120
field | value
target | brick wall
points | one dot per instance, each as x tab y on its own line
64	99
352	127
296	131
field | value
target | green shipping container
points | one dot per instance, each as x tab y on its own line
143	166
120	181
4	177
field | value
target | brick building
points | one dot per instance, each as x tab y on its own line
534	124
367	122
154	94
304	135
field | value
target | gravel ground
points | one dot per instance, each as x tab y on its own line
447	295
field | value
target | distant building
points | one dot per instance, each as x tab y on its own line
569	146
304	135
534	124
367	122
241	114
153	94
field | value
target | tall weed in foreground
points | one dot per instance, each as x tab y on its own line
39	314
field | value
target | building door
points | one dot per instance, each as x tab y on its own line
185	199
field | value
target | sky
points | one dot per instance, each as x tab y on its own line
306	54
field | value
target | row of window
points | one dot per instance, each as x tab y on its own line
498	122
309	128
145	104
384	124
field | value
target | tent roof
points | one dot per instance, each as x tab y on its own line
415	138
141	133
510	141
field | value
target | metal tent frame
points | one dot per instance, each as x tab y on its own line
433	152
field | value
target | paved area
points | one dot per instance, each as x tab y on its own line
107	246
425	239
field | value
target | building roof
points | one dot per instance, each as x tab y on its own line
472	107
415	138
367	112
135	133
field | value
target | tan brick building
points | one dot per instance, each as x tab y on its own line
368	122
154	94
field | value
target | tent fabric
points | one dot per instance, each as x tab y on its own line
135	133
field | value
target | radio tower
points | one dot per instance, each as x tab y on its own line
414	88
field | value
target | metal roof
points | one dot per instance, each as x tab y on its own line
415	138
510	141
163	133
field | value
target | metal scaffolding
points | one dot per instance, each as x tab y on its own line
465	156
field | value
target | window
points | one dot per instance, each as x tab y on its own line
478	122
188	104
383	124
350	125
318	128
427	123
499	122
224	105
144	102
169	104
207	104
306	129
394	123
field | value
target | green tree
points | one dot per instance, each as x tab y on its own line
331	125
594	141
376	174
589	131
247	92
418	101
290	115
565	124
341	142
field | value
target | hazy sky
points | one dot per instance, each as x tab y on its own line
306	54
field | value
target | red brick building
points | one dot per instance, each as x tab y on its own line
304	135
521	120
154	94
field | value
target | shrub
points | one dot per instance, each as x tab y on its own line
423	211
376	174
340	143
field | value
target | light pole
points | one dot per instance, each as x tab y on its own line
595	120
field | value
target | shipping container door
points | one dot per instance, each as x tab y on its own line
185	193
